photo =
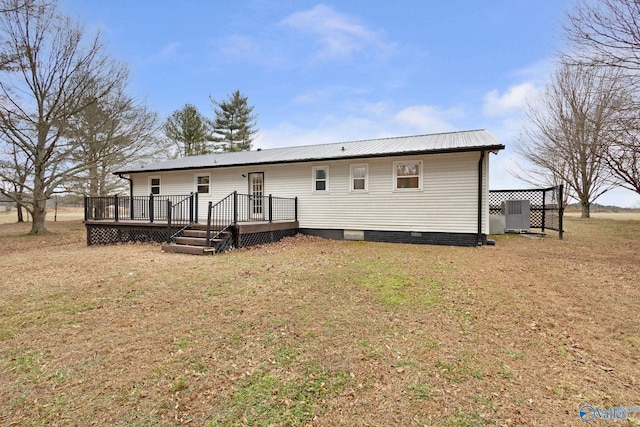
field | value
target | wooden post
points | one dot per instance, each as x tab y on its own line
235	207
168	220
116	207
151	207
207	244
560	210
191	198
270	208
544	207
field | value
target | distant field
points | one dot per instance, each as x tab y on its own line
619	216
63	214
315	332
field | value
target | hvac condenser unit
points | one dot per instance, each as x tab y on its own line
517	216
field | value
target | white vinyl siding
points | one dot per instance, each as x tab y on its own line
448	201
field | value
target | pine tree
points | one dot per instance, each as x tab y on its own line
234	124
189	130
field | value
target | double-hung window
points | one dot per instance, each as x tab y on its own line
202	183
154	185
359	177
320	179
407	175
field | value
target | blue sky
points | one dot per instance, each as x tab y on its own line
336	71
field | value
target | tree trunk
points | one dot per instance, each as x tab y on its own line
39	215
585	210
20	215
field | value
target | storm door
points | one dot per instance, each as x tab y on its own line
256	199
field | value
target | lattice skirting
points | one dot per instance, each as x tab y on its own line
106	235
263	237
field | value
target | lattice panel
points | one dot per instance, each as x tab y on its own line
536	202
100	235
545	209
261	238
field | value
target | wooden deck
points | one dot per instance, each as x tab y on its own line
246	233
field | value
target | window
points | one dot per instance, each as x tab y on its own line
321	179
359	177
154	185
202	183
407	175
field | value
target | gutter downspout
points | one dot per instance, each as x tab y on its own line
130	194
480	177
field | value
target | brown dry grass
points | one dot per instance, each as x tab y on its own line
319	332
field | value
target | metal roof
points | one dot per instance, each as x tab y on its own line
472	140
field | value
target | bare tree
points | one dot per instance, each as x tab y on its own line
108	134
568	132
623	153
19	168
606	33
56	73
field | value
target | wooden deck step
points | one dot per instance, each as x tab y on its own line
193	241
185	249
200	233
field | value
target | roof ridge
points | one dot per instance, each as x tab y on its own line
367	140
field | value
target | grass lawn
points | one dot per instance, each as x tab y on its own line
320	333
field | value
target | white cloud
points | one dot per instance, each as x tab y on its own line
374	120
511	101
245	48
339	36
428	118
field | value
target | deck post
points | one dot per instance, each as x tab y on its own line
295	208
270	208
235	207
168	220
544	208
86	207
560	209
196	208
207	244
116	208
191	197
151	207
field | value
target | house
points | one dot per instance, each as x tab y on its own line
430	189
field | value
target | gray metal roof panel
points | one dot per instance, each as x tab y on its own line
473	140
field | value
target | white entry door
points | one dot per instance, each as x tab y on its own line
256	196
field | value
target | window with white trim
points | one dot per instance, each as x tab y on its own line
360	177
407	175
154	185
202	183
320	179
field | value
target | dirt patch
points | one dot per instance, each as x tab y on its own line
316	332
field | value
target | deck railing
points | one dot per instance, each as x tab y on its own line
246	208
139	208
181	214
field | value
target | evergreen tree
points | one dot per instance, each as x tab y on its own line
189	130
234	124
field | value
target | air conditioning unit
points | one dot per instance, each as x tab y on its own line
517	216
